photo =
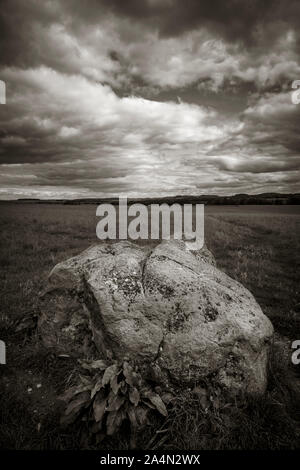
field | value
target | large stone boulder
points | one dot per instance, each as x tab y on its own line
168	308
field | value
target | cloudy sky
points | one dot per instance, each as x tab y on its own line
148	97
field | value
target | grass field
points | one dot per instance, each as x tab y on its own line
257	245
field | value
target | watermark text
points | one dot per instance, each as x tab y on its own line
153	221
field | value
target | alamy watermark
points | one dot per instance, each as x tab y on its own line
296	94
2	92
296	354
2	352
153	221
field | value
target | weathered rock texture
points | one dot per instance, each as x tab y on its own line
168	307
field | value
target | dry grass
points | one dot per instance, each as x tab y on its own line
256	245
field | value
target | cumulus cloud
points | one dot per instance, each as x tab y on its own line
148	97
88	135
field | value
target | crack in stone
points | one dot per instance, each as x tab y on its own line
144	262
159	257
160	347
94	310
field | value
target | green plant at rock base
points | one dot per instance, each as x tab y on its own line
111	394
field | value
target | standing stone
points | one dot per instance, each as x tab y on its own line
169	308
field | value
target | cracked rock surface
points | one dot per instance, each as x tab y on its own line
169	308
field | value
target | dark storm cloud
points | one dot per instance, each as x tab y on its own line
233	19
218	73
156	44
18	21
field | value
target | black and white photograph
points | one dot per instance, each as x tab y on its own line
149	230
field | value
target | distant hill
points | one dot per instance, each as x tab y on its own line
237	199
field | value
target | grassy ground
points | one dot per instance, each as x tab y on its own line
257	245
